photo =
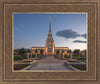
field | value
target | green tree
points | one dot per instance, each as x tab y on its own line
62	52
85	51
41	51
21	51
28	50
36	51
69	51
16	52
76	51
57	52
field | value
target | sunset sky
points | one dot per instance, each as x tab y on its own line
68	30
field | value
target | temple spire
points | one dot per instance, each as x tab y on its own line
49	24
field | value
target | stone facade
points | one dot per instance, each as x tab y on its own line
49	48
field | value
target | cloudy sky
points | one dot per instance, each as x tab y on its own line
68	30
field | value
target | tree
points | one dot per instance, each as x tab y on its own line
62	54
76	51
85	51
57	52
36	51
41	51
16	52
21	51
28	50
62	51
70	51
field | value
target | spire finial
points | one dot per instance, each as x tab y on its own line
49	24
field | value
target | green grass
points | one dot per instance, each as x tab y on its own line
20	57
15	60
80	57
67	57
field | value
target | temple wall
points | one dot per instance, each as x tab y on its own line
55	50
38	50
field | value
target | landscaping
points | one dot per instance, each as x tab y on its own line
79	57
79	66
20	57
20	66
67	56
75	60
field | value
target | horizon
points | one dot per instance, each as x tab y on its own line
68	30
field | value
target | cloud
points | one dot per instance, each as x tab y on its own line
79	41
84	35
67	34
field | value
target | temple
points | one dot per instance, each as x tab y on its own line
50	48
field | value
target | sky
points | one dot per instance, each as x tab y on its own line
68	30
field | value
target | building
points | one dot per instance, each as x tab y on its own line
49	48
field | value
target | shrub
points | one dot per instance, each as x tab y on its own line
79	57
66	56
33	56
20	57
79	66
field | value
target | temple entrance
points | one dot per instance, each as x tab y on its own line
49	53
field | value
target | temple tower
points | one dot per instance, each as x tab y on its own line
49	46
